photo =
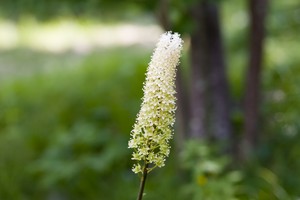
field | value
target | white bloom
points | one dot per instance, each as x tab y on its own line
153	128
137	168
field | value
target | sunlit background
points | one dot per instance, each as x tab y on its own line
71	76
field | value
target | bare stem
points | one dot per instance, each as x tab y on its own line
143	181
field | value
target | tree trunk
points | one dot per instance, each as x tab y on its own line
221	127
163	14
258	9
199	68
183	108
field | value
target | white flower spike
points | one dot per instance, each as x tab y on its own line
154	124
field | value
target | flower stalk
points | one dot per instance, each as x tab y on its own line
143	182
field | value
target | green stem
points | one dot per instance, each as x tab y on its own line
143	182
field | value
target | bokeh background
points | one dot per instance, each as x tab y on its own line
71	75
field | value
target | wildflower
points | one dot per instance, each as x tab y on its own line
153	127
137	168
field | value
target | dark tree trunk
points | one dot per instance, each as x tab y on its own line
163	14
182	113
221	127
258	9
199	68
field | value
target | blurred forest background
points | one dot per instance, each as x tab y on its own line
71	86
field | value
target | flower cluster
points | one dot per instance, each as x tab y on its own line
153	128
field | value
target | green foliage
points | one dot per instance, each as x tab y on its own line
262	183
14	155
280	146
74	161
45	10
66	131
211	177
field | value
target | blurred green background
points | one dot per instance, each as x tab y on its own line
71	75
